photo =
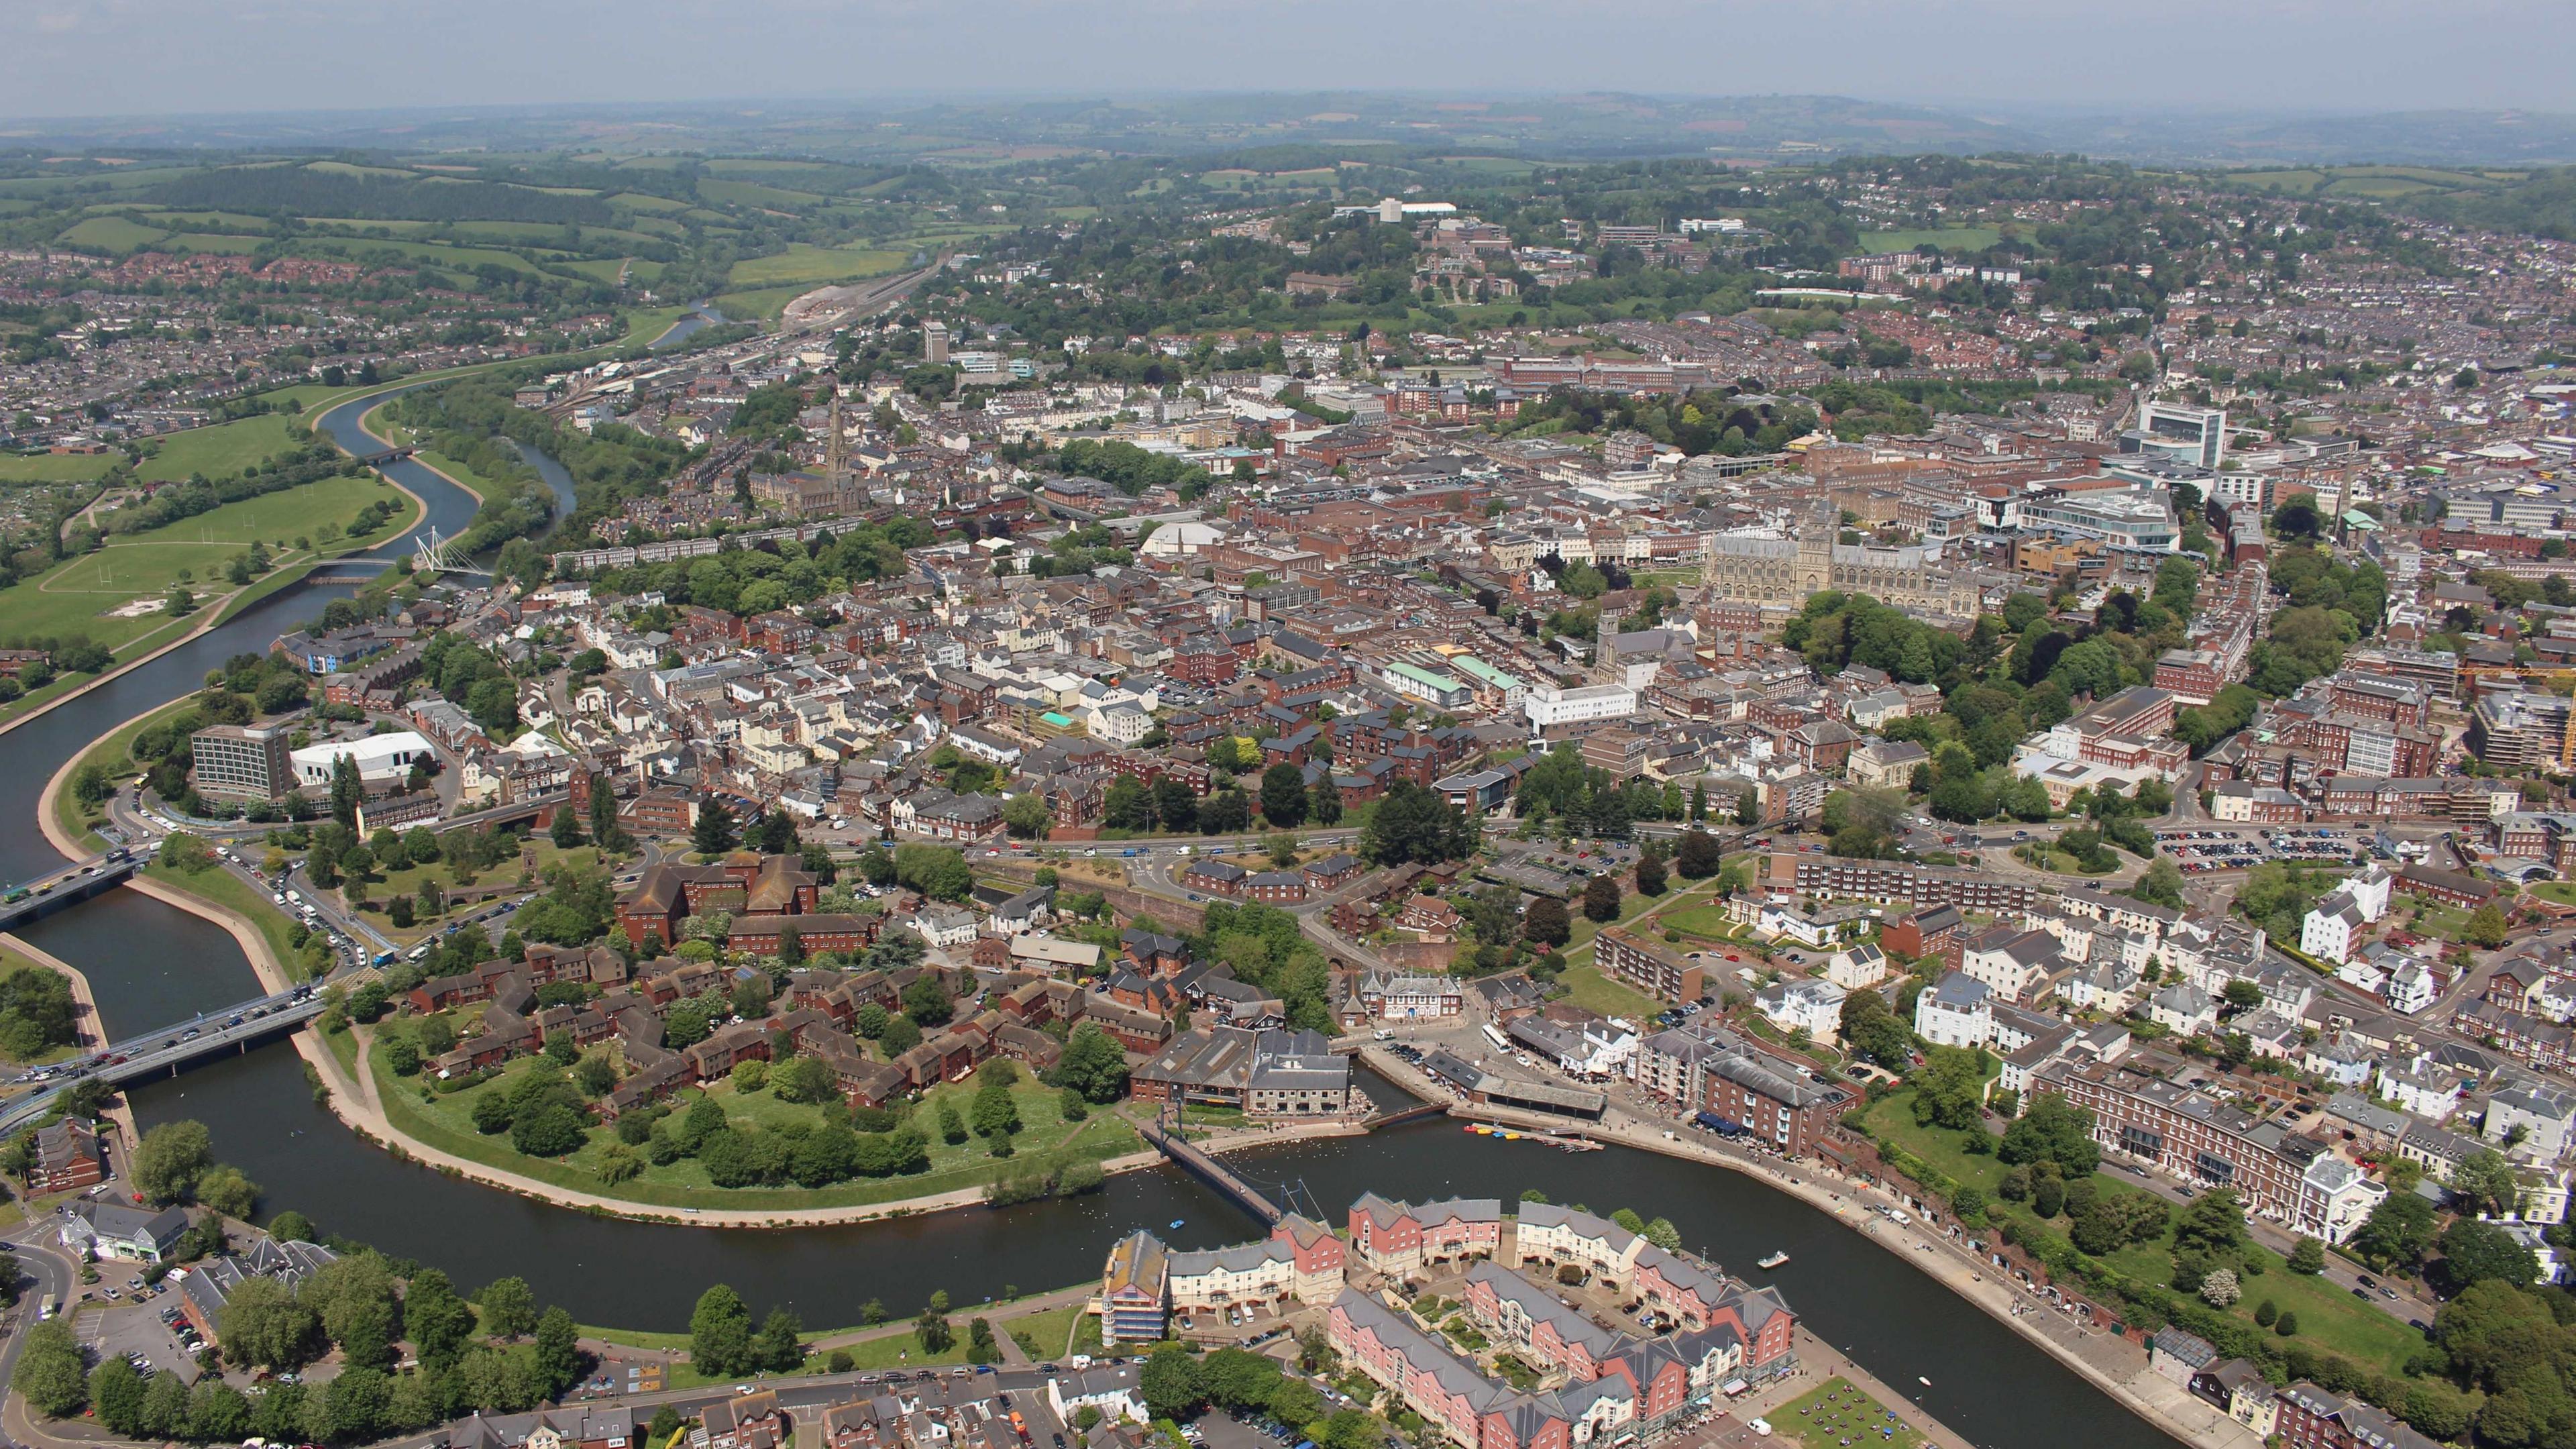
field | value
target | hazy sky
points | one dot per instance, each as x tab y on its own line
110	57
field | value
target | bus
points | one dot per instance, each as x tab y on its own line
1495	1035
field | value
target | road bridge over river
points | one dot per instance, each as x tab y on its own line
235	1028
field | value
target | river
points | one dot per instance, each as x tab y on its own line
149	963
703	317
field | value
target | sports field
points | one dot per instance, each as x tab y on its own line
108	595
218	451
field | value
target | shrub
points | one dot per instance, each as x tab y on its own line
2287	1325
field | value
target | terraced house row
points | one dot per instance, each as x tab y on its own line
1599	1384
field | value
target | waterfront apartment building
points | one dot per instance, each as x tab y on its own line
1650	967
2278	1175
1769	1100
1135	1290
1397	1238
2308	1417
242	761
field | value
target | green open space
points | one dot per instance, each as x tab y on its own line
446	1121
110	233
1588	988
217	451
813	265
647	325
56	467
1837	1413
2434	918
1053	1332
11	963
220	243
1947	238
2556	892
77	596
752	193
766	302
539	854
2328	1317
114	753
372	251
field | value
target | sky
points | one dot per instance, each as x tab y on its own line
157	57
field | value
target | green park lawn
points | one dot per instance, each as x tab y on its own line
1056	1332
1947	238
78	596
54	468
2556	892
446	1121
1586	987
1835	1413
113	753
541	853
2435	918
646	324
217	451
2329	1317
110	233
2057	861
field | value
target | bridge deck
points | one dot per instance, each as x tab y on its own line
1214	1173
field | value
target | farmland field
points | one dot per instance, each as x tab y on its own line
110	233
752	193
762	302
813	266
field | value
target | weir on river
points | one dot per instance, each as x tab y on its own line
149	963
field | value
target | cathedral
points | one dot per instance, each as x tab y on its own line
1785	572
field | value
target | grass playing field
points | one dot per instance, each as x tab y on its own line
52	468
218	451
85	595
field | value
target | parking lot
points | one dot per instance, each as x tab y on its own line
135	1330
2197	851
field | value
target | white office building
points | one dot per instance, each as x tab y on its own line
381	759
2186	434
1548	705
